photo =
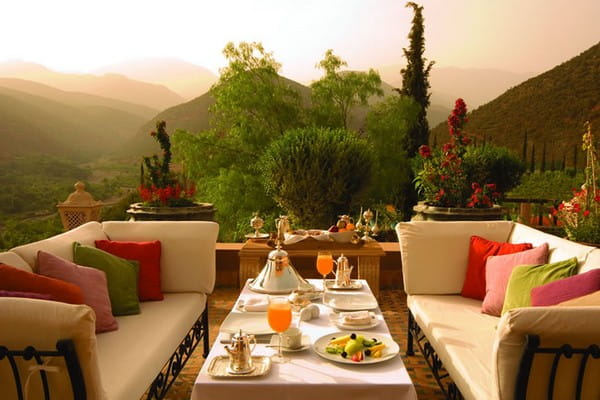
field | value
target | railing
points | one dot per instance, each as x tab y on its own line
534	212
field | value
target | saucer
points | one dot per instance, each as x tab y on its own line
306	343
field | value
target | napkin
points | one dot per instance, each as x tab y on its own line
356	317
256	303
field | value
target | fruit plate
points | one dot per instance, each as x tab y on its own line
390	351
350	301
339	322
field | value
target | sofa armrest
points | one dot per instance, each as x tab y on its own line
188	250
41	324
435	254
555	326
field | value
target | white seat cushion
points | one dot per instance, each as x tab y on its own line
462	337
132	356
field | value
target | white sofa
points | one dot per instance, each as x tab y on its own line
122	364
483	353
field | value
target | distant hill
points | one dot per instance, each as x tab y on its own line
76	99
110	85
547	111
186	79
38	125
475	85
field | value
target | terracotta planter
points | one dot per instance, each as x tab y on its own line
199	212
425	212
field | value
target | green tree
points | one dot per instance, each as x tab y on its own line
415	80
388	123
335	94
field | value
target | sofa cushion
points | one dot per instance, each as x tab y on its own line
462	336
92	282
149	339
25	295
14	279
497	273
40	323
435	254
479	250
147	254
61	245
121	276
566	289
13	259
525	277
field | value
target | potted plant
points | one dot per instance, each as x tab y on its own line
445	183
165	194
580	216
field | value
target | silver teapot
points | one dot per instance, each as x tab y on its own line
342	271
240	353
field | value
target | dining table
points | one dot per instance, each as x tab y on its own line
309	373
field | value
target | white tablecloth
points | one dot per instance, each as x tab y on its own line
307	376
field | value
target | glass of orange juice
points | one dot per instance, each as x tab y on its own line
279	314
324	264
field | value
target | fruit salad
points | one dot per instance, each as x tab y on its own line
355	347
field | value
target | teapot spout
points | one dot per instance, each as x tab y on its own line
229	351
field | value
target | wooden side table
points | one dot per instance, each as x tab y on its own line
253	257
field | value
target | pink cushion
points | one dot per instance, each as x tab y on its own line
497	274
566	289
92	282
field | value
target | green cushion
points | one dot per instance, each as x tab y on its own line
121	276
525	277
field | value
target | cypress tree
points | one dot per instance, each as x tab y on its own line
532	164
564	162
525	147
415	80
543	164
575	151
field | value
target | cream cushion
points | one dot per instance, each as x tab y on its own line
188	250
462	336
447	263
592	261
144	343
578	326
13	259
41	323
559	249
61	245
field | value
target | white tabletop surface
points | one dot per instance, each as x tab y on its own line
307	375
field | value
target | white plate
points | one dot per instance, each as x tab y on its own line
350	301
335	318
275	344
390	351
255	323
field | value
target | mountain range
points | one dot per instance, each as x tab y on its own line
544	116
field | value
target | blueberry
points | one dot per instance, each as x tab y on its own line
353	336
367	352
344	354
374	339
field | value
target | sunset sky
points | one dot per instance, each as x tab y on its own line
514	35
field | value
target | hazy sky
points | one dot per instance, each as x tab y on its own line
514	35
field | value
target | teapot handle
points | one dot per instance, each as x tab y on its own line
252	339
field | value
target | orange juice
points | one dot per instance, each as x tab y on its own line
279	316
324	263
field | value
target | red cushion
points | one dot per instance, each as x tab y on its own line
15	279
479	250
147	254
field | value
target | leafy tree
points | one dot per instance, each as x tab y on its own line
388	124
316	173
415	80
335	94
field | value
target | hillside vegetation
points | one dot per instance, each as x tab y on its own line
543	117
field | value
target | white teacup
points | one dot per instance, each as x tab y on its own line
292	338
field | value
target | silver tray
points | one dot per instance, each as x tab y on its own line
354	285
218	367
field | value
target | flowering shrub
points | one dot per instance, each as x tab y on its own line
443	180
159	186
580	216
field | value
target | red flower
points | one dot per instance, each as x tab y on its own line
425	151
586	213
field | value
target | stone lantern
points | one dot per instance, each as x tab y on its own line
79	208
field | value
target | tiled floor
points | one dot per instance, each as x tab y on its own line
393	306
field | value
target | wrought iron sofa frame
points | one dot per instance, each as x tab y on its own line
531	349
66	349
